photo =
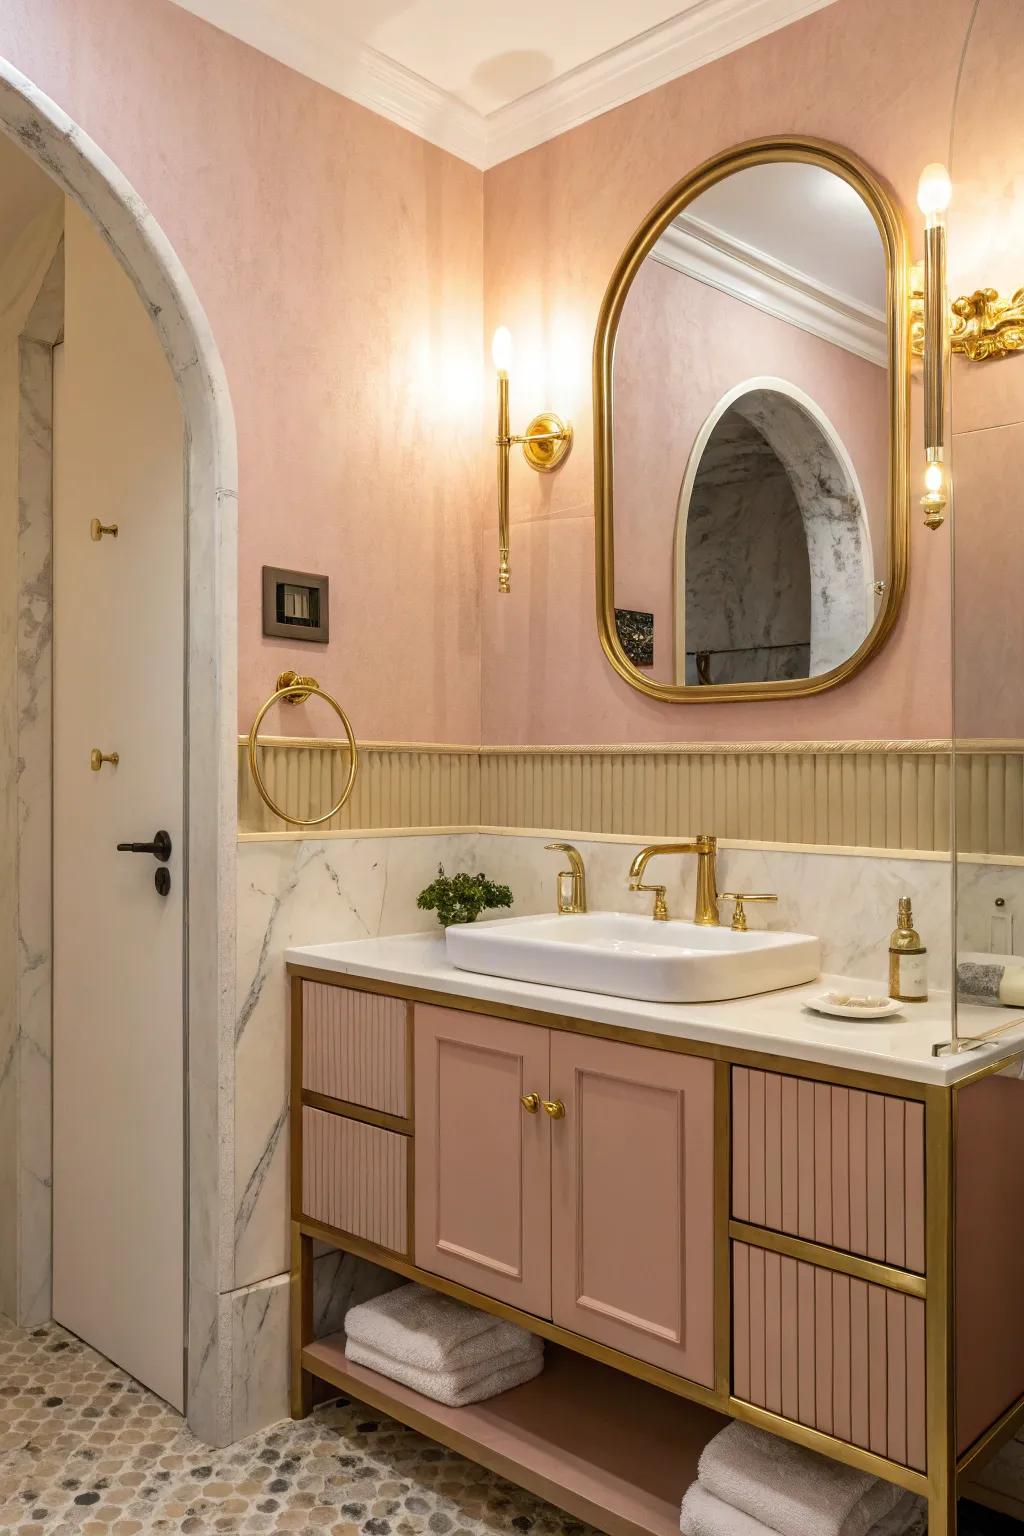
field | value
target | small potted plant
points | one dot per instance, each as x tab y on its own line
461	898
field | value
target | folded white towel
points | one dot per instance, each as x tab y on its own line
704	1515
791	1490
472	1385
422	1328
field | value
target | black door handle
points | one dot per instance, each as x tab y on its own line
160	847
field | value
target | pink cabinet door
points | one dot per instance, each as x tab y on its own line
483	1164
633	1201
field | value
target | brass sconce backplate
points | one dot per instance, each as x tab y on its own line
546	442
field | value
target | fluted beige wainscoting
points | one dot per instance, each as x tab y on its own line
863	794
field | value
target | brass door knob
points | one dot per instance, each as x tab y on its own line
98	529
98	758
555	1108
530	1102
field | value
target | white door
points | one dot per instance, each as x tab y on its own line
118	1175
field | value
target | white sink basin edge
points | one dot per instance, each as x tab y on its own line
625	954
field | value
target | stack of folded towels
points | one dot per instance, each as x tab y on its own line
439	1347
751	1483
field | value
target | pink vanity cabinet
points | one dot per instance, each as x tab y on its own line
599	1216
698	1231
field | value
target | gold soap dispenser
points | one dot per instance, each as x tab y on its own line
908	959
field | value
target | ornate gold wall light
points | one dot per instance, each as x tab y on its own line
978	326
545	444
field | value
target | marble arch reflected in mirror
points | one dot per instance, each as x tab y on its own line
751	419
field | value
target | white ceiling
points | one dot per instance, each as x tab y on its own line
25	191
489	80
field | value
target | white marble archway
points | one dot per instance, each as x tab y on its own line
36	123
832	507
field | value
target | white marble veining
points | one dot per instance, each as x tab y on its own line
26	649
838	546
290	892
748	584
777	1023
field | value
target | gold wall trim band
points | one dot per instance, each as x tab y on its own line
829	1258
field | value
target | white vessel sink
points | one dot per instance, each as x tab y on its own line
628	955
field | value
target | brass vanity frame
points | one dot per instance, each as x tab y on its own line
892	229
948	1474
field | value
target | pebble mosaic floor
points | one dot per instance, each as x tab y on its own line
86	1451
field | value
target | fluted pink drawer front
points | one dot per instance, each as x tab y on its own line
832	1165
840	1355
355	1178
354	1047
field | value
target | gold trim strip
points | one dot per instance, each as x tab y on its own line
907	745
829	1258
378	1117
828	1445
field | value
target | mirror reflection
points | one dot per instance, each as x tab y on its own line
751	430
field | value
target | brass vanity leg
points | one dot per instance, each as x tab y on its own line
301	1321
940	1317
723	1211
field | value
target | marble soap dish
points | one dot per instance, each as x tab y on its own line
845	1005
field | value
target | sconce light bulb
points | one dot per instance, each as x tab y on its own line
501	349
934	478
934	190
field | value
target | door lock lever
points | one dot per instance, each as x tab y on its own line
160	847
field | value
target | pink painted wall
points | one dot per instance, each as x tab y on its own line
986	249
345	266
556	221
339	259
681	347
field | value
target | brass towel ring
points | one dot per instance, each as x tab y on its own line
294	690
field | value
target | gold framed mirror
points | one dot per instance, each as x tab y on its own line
751	425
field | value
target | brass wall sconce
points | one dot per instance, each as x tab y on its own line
545	443
978	326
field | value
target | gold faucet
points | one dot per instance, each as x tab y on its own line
576	874
705	910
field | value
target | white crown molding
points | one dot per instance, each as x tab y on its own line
701	251
704	32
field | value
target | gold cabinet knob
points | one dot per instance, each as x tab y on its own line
555	1108
530	1102
98	529
98	758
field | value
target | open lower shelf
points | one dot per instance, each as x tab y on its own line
604	1446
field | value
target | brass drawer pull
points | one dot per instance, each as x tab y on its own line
555	1108
530	1102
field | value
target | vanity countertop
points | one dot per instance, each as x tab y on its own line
776	1023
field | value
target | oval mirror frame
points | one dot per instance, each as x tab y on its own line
892	230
